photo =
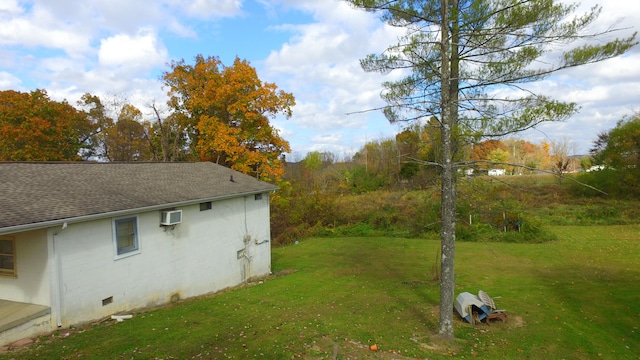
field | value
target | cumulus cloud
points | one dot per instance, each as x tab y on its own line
10	7
142	50
320	66
9	81
40	29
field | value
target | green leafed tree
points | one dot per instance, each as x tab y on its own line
468	64
313	161
622	147
619	150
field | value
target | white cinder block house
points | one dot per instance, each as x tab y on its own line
81	241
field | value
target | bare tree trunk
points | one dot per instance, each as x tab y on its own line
165	133
448	196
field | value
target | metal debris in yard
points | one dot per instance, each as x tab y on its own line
475	309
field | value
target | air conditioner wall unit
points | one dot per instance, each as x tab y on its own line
171	217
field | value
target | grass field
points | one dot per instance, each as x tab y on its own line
575	298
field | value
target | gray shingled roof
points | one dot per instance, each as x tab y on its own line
33	193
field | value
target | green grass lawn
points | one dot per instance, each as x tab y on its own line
576	298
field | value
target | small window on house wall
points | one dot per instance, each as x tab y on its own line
258	197
205	206
126	236
8	256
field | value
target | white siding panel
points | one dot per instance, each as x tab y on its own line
32	283
196	257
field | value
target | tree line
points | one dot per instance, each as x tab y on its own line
214	113
404	162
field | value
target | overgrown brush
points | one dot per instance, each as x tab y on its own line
510	209
531	231
609	183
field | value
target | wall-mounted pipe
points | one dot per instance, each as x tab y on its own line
58	268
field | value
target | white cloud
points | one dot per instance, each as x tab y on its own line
320	66
9	81
58	64
208	8
10	7
94	16
40	29
140	51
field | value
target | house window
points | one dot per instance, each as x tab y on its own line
205	206
126	236
7	256
258	197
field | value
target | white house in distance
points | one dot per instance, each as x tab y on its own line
82	241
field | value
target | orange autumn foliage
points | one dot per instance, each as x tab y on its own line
482	150
36	128
228	108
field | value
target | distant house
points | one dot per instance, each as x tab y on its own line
82	241
596	168
496	172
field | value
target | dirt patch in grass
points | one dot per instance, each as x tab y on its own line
285	272
517	321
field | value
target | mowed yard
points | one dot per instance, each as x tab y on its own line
330	298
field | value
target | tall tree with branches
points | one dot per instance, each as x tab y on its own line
225	112
468	64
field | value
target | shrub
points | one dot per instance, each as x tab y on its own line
355	230
612	183
531	231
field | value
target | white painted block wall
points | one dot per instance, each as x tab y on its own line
33	267
198	256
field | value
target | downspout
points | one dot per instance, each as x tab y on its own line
58	282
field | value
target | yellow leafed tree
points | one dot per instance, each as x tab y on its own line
226	111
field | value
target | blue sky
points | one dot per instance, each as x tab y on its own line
311	48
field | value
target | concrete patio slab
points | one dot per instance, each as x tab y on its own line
14	313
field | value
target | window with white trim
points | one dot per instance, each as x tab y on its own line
7	256
126	235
